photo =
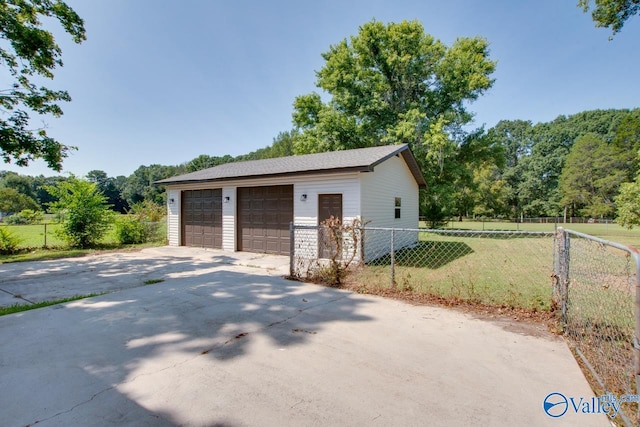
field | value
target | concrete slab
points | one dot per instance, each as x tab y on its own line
57	279
218	344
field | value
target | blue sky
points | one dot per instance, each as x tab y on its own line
161	81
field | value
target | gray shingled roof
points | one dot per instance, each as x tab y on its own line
361	159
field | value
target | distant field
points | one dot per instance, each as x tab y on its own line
612	232
33	236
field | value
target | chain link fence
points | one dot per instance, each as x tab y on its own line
596	287
591	282
508	268
44	235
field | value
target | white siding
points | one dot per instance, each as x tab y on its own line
229	218
305	213
173	216
380	188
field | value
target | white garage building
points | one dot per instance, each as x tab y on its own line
248	206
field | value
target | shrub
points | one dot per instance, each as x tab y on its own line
86	215
130	229
148	211
26	216
9	242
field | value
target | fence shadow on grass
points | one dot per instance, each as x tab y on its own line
431	254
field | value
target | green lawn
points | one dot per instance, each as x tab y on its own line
495	270
33	236
612	232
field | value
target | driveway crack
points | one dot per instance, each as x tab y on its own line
74	406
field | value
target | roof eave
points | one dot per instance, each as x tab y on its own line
411	162
272	175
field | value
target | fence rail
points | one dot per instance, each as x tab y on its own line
593	283
35	235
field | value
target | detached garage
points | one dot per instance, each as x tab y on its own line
248	206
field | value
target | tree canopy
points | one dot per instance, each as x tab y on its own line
612	14
393	84
28	50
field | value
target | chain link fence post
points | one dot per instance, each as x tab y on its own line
292	250
563	271
392	256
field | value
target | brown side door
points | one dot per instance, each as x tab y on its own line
202	218
328	205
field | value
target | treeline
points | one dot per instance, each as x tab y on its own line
573	165
19	192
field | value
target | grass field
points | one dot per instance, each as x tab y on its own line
612	232
33	236
494	270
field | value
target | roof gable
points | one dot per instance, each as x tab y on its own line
357	160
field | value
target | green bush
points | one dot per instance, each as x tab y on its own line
26	216
86	217
130	229
9	242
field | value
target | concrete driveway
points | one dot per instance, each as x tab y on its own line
224	344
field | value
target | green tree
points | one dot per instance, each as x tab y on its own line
41	183
612	14
490	198
282	146
205	161
392	84
110	188
140	186
86	215
628	204
28	51
11	201
591	177
539	169
23	184
514	137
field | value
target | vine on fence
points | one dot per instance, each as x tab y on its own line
340	242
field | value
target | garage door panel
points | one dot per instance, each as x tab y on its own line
264	214
202	218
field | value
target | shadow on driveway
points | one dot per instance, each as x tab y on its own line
69	361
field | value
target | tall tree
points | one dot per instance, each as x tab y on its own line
27	51
392	84
591	177
109	187
139	186
12	201
612	14
538	190
514	137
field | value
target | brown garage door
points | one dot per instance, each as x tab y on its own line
202	218
264	214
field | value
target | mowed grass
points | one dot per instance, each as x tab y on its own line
33	235
612	232
503	270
